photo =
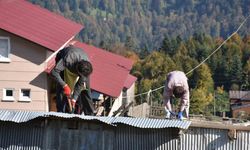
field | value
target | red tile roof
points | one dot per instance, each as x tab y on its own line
36	24
129	81
110	71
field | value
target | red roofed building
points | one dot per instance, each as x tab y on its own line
30	37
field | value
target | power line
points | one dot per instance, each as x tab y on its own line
218	46
148	92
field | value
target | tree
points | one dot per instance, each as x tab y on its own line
84	6
202	95
246	77
130	43
199	101
236	72
222	73
153	69
170	46
144	52
222	103
74	5
203	78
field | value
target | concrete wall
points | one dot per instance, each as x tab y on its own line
139	111
24	71
123	99
131	93
116	105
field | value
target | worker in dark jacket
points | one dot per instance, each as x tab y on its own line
72	72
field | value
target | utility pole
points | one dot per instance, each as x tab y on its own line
214	103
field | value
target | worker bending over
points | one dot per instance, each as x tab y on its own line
72	72
176	86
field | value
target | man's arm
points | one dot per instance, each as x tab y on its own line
184	101
166	98
56	72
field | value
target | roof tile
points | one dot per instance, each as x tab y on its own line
36	24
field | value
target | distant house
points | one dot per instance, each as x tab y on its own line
30	37
240	103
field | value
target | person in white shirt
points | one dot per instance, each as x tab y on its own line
176	85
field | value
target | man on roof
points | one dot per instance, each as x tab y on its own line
176	86
72	71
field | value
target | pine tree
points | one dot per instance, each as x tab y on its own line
236	73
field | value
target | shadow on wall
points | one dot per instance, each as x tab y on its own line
40	81
28	50
32	55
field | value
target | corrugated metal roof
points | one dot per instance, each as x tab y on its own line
36	24
24	116
152	123
214	139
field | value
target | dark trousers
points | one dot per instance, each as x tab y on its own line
59	98
84	101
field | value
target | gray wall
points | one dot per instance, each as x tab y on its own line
73	134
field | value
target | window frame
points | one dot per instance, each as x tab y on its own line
2	58
8	98
24	98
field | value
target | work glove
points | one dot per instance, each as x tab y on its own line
180	115
66	90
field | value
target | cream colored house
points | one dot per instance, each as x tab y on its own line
29	35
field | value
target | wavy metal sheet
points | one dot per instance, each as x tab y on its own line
211	139
130	138
24	116
152	123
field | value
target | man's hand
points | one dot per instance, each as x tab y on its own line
67	90
180	115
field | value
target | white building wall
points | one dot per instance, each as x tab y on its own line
117	103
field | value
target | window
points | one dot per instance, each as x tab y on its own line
8	94
4	49
25	95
